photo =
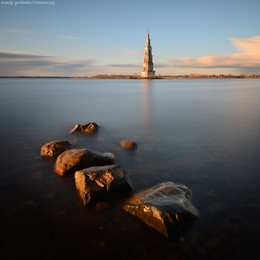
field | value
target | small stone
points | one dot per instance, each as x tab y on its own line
96	182
86	128
55	148
77	159
76	128
126	144
163	207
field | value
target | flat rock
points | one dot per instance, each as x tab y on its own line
126	144
55	148
163	207
96	182
77	159
86	128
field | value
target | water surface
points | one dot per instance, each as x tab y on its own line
203	133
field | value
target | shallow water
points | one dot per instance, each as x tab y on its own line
203	133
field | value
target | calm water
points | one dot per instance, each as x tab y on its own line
202	133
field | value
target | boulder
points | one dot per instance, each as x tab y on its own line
55	148
126	144
96	182
77	159
86	128
163	207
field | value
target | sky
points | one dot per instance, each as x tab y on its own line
85	38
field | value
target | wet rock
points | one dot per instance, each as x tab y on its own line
77	159
126	144
86	128
164	207
95	182
55	148
76	128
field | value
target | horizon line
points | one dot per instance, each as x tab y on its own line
135	76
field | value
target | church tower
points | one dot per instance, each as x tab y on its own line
148	59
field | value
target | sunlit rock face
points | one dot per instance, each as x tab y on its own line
126	144
163	207
77	159
96	182
55	148
86	128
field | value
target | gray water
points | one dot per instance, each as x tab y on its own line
203	133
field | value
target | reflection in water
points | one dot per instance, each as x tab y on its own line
146	104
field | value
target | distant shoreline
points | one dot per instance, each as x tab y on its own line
104	76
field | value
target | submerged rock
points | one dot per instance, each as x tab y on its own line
86	128
55	148
163	207
126	144
95	182
77	159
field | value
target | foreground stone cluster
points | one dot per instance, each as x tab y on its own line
163	207
95	182
86	128
126	144
55	148
77	159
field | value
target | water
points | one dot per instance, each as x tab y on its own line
202	133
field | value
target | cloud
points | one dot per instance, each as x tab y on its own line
250	45
71	37
15	31
124	65
28	64
248	57
19	55
162	65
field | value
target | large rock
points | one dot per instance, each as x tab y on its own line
126	144
55	148
163	207
86	128
95	182
77	159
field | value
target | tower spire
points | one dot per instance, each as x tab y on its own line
148	71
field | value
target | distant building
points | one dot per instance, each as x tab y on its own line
148	71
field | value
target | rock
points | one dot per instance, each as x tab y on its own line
76	128
77	159
163	207
95	182
128	144
55	148
86	128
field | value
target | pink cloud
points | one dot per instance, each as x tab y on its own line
249	56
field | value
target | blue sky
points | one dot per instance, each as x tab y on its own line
95	37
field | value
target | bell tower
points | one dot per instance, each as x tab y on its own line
148	71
